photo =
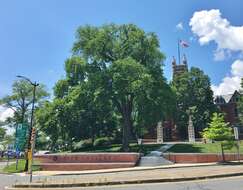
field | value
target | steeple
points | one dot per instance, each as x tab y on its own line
179	68
184	60
173	61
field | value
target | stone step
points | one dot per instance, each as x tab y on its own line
154	161
84	166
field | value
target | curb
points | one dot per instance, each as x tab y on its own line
41	185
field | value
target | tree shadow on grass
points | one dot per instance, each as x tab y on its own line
185	148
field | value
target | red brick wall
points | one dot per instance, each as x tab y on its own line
88	157
199	158
87	161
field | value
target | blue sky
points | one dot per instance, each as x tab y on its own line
36	36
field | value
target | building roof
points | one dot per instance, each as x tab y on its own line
224	99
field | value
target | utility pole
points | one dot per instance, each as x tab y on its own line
30	150
179	52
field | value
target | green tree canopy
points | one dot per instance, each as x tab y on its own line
21	99
114	76
219	130
129	58
193	90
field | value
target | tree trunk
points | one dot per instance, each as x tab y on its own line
125	108
126	132
222	150
26	166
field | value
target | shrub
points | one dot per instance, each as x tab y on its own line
82	144
103	141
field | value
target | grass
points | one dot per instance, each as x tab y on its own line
202	148
145	148
11	168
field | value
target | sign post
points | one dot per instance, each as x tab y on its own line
21	136
20	140
17	157
236	134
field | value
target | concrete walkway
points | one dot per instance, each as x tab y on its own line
117	170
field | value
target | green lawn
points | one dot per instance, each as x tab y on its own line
145	148
11	168
202	148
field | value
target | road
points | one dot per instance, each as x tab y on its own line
233	183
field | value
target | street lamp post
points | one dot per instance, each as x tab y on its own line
34	84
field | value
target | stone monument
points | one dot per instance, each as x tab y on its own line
160	135
191	131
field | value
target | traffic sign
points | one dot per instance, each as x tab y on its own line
21	136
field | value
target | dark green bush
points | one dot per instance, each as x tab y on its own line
103	141
82	144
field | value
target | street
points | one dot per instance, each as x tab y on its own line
235	183
139	175
231	183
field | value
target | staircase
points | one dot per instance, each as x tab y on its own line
156	158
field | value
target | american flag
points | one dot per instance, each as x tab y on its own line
184	44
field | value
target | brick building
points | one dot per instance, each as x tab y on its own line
226	104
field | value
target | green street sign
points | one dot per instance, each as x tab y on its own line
21	136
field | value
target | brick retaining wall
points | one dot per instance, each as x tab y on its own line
87	161
199	157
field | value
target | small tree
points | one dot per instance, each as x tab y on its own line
2	133
21	99
219	130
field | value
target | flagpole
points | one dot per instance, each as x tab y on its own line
179	53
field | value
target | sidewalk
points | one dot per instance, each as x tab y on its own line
138	168
140	176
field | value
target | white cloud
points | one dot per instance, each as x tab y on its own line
209	26
232	82
192	39
221	54
179	26
237	68
5	113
